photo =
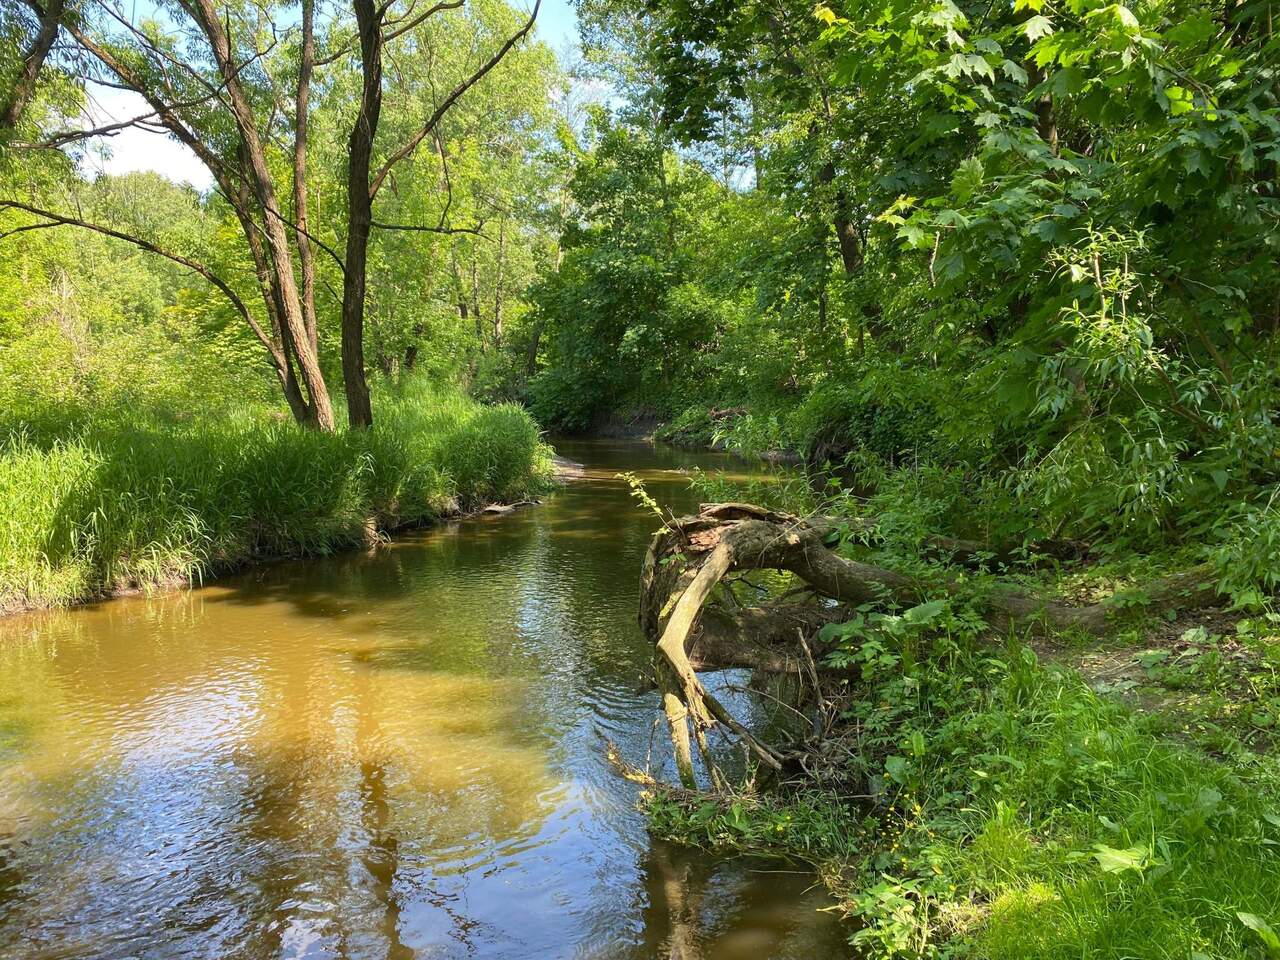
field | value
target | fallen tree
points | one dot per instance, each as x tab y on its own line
691	556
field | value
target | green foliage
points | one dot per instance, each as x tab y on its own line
621	320
1031	250
1016	813
1246	552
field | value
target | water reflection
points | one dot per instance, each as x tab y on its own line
389	755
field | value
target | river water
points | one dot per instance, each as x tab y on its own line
386	755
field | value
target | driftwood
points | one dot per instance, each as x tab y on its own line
691	556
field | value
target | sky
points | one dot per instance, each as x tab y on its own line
133	149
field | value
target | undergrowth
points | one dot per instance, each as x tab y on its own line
97	504
1012	811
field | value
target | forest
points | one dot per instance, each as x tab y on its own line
997	283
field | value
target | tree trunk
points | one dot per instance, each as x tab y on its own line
847	237
273	224
303	414
24	86
497	284
691	556
360	215
302	410
306	263
232	179
535	338
411	351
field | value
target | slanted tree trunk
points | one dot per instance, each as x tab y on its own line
273	223
24	86
244	177
240	178
302	104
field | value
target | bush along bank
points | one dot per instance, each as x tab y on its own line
978	777
98	507
987	803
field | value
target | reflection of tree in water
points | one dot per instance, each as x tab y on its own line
12	875
381	858
701	908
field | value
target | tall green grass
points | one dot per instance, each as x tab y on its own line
90	507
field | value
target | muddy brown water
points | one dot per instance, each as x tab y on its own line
372	756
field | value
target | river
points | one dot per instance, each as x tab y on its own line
374	755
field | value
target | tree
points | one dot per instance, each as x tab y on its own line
214	80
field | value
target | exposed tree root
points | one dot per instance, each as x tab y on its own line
692	556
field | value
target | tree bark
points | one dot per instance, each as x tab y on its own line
847	237
299	406
24	86
535	340
306	263
235	187
497	284
360	214
273	225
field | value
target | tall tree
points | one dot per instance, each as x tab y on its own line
209	77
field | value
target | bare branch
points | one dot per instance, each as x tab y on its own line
164	55
337	54
142	121
310	236
421	18
458	91
427	228
165	111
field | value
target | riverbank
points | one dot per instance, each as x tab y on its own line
104	507
697	429
1020	795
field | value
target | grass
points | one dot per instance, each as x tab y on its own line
91	507
1015	812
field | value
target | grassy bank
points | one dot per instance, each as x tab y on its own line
100	504
1020	801
996	795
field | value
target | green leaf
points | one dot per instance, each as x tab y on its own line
1111	860
1037	27
897	768
924	612
1014	72
968	178
1180	101
1208	799
918	745
912	234
1263	929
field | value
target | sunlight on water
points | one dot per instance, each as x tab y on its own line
386	755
